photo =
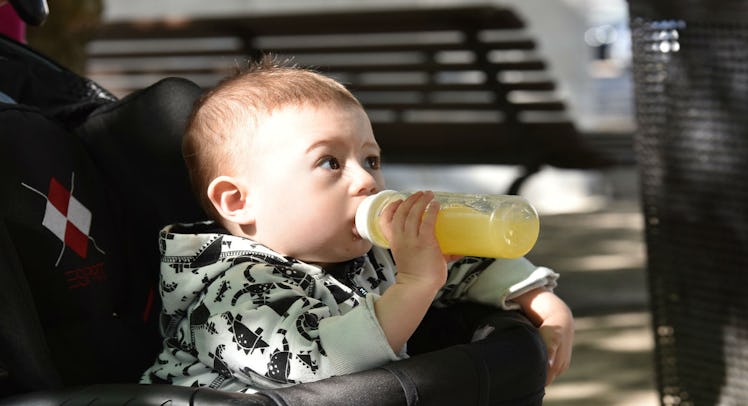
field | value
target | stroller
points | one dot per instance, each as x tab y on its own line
87	182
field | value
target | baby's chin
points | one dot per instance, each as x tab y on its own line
360	248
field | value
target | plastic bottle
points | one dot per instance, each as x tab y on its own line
490	226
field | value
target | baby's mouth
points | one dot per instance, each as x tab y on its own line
356	234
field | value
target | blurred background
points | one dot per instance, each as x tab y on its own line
585	44
591	222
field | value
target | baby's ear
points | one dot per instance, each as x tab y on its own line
230	197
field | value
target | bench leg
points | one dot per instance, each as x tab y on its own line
529	170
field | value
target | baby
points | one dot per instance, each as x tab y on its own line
280	288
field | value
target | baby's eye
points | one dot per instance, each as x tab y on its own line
373	162
329	162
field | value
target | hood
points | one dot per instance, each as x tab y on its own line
193	255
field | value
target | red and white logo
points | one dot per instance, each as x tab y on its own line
67	218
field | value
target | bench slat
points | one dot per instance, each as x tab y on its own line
352	68
545	106
546	85
331	22
525	44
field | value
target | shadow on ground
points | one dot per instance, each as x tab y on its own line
612	364
600	256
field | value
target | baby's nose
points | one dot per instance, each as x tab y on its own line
363	183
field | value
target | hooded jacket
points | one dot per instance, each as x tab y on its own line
238	316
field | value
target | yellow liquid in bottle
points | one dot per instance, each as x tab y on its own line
463	230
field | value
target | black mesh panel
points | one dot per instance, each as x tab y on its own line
691	84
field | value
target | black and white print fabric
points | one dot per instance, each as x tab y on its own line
237	316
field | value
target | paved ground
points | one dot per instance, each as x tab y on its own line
600	256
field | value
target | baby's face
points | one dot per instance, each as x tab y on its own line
308	170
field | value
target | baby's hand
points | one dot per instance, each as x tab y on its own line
557	332
409	225
556	325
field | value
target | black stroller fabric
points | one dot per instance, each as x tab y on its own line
31	79
691	85
79	241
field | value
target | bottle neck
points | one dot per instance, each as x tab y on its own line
368	213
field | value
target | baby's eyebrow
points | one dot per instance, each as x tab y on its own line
373	145
321	144
333	142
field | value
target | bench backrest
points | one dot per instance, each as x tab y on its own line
443	85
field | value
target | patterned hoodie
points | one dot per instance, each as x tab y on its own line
238	316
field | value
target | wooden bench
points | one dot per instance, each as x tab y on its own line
442	85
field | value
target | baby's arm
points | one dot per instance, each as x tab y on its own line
556	324
422	270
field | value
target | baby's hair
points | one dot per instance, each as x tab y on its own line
220	128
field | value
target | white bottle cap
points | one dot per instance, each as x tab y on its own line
367	222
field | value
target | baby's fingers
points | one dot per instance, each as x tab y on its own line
386	219
421	215
408	216
558	349
388	213
552	364
428	220
413	218
558	363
